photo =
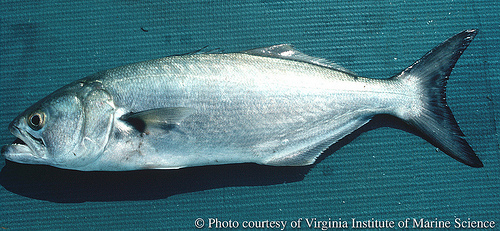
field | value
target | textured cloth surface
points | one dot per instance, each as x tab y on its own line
384	174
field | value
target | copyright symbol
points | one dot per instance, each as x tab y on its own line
199	223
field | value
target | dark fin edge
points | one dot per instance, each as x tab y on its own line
436	120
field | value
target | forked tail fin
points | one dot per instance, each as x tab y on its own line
435	120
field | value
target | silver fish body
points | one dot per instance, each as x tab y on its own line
272	106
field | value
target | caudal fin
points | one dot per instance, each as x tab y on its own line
435	120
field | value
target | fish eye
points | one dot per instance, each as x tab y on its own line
36	120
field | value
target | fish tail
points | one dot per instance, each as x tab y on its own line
430	114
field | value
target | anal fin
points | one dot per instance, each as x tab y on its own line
307	155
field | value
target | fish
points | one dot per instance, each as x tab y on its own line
270	106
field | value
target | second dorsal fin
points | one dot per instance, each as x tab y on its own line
286	51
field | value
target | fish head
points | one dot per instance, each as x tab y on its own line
59	129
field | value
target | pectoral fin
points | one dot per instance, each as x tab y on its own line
159	118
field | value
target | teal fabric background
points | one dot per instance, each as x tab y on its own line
385	174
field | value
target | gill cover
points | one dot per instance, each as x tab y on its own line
98	111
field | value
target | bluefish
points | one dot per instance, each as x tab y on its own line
271	106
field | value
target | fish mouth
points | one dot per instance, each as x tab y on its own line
22	150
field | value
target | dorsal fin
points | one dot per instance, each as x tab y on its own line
286	51
203	50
